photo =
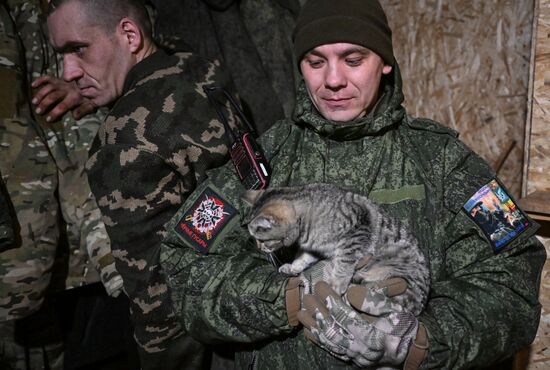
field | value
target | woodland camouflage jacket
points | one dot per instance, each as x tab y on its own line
483	304
154	148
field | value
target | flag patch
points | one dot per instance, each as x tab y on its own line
496	214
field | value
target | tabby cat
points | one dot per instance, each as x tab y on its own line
328	222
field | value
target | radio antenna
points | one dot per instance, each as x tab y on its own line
208	90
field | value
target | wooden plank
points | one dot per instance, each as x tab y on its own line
537	202
537	157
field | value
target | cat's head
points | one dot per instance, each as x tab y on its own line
273	221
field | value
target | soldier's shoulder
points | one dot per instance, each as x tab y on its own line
433	139
192	63
426	126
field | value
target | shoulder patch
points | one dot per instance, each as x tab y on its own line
496	214
202	224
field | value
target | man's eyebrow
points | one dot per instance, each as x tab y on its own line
315	53
68	46
344	53
353	50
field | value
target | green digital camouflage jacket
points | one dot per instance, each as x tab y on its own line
155	146
483	304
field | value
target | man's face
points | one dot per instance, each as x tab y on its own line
96	61
342	79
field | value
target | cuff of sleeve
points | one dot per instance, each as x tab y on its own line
292	300
106	260
418	351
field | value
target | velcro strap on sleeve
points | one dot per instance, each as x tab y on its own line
106	260
292	299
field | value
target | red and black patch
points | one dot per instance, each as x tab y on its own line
204	222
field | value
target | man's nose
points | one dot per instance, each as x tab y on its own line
335	77
71	69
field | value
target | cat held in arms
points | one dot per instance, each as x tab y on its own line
329	222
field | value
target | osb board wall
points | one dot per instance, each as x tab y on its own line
537	164
465	63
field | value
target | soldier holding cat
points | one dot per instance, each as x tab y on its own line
350	129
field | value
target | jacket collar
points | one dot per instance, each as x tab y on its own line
387	113
158	60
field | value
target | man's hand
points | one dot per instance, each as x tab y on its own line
56	97
374	299
336	327
303	284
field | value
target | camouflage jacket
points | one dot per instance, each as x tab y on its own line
154	148
43	168
30	177
68	142
234	32
483	304
7	240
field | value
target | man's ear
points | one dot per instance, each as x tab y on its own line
386	69
132	34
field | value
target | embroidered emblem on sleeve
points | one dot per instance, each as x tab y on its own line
203	223
496	214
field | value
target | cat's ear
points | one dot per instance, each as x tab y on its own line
251	196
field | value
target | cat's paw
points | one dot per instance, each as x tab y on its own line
288	269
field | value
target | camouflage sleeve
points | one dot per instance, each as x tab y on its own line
89	245
483	305
231	294
90	258
134	216
31	180
98	248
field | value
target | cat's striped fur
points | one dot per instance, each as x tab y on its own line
328	222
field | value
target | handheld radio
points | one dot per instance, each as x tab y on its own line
247	156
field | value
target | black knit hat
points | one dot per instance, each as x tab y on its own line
360	22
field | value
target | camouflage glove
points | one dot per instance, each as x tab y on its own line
111	279
375	298
336	327
302	284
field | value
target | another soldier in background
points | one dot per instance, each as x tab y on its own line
58	220
30	176
158	140
234	32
